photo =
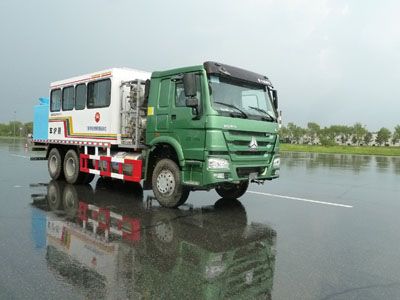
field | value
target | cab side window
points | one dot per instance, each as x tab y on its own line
164	92
180	98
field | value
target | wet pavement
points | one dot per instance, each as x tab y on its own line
327	229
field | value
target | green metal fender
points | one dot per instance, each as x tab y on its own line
173	143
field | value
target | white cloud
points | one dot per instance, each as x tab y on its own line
346	10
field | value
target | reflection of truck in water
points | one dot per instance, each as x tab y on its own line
194	128
110	246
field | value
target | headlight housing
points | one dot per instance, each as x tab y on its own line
218	163
277	163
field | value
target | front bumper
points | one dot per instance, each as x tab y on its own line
237	171
243	171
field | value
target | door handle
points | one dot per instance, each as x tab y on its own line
173	117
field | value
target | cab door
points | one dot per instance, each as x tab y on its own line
187	126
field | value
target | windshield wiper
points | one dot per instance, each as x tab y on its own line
271	117
235	107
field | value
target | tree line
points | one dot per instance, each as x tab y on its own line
16	128
356	135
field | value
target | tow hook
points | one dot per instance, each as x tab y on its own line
257	181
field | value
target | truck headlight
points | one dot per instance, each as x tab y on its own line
277	163
218	163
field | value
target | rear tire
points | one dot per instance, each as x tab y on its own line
167	184
232	190
55	164
71	168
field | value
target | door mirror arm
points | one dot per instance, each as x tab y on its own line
193	102
275	99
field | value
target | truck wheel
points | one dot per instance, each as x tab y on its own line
167	184
55	164
232	190
71	168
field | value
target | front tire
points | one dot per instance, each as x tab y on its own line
167	184
232	190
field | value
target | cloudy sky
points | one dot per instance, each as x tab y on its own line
333	62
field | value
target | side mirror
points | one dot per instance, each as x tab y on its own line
189	84
192	102
275	99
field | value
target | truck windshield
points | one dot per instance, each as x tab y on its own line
241	99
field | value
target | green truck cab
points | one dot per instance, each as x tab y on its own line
210	126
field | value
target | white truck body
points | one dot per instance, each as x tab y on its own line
100	126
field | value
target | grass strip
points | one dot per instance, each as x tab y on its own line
364	150
13	137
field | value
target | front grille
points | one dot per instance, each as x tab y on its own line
245	171
250	133
246	143
253	153
218	153
238	143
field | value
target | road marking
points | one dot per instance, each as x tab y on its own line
17	155
302	199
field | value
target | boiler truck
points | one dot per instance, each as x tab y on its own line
210	126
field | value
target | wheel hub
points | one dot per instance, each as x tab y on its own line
166	182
